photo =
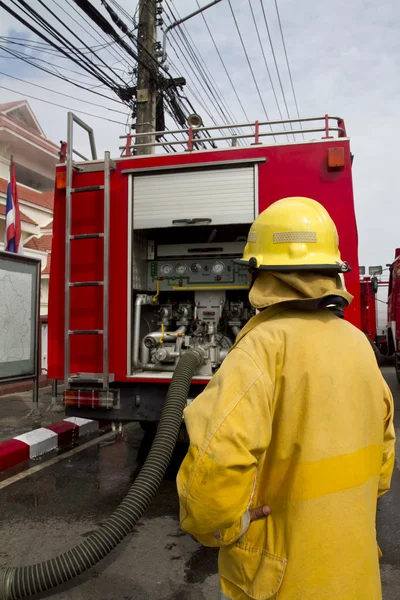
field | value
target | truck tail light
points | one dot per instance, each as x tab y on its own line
336	157
61	180
92	398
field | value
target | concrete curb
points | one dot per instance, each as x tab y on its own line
45	439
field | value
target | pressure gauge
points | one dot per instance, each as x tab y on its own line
195	267
166	270
181	269
218	268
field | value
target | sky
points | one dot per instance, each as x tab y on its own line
345	61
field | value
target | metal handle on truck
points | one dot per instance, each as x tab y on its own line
191	221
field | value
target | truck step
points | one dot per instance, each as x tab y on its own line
86	284
85	332
86	236
89	378
90	188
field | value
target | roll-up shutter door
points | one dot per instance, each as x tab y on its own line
214	196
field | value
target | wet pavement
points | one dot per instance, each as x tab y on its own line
48	512
15	409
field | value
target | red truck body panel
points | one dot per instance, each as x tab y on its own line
368	308
394	305
298	169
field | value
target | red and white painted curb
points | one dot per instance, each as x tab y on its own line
43	440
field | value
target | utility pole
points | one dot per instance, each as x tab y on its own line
146	89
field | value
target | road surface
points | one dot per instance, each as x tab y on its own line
49	511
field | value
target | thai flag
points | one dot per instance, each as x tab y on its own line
13	242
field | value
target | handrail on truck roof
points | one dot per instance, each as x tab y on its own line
191	140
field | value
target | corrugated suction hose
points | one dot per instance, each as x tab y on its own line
20	582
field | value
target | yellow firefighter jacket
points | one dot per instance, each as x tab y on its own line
299	418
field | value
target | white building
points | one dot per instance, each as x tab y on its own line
35	158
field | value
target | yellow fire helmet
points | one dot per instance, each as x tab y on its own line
294	234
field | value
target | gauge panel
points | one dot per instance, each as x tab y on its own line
196	272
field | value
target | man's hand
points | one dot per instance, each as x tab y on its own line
261	512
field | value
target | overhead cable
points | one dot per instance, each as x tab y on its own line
113	51
60	105
265	60
274	57
223	64
197	70
287	59
78	57
61	49
133	38
83	87
202	65
74	34
62	94
44	48
248	60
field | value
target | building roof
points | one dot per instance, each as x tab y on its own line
24	217
42	243
43	199
19	115
7	105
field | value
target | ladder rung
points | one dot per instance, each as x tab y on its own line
86	236
85	332
90	188
86	283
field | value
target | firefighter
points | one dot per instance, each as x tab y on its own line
292	441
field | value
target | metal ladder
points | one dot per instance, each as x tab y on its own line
86	379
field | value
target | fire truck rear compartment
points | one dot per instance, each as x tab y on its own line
187	292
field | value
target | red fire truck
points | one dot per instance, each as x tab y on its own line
368	289
393	312
144	249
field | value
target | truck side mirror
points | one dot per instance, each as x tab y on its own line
374	282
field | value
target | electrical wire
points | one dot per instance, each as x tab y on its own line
223	64
265	62
123	12
203	67
113	52
209	92
197	69
43	49
173	104
82	60
248	60
91	69
62	94
74	34
76	84
3	87
287	60
274	57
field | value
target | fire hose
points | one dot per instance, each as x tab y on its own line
21	582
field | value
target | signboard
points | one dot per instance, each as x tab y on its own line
19	317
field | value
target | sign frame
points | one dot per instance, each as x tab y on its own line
11	257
